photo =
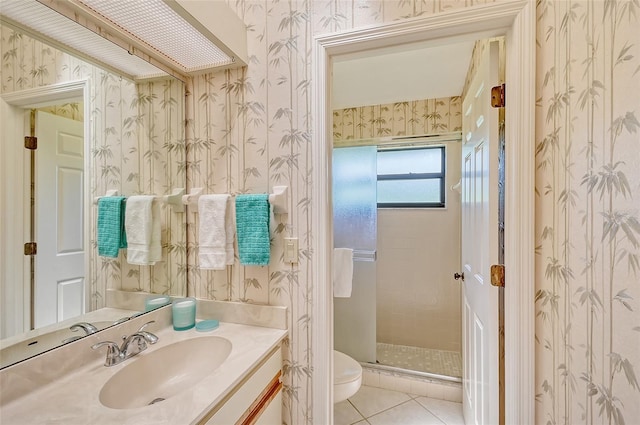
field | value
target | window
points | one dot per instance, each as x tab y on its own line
411	178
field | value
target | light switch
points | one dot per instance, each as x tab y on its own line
291	250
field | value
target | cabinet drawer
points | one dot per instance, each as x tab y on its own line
238	404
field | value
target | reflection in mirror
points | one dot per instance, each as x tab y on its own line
115	134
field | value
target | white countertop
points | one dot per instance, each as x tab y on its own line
74	398
19	347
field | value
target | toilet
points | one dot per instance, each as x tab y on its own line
347	376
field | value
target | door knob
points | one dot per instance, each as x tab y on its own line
458	276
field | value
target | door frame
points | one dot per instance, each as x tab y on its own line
15	177
515	19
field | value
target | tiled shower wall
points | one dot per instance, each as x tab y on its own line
418	301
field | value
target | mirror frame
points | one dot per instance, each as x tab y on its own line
17	156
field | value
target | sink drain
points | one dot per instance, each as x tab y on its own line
156	400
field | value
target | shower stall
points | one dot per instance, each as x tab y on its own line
404	312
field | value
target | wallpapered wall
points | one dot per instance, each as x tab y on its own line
587	185
137	147
251	130
428	116
587	215
73	110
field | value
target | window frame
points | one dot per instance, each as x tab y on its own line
442	176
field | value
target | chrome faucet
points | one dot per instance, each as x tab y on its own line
88	329
131	346
120	320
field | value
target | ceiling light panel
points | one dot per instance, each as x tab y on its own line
159	27
44	21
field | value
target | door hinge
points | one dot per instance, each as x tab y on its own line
497	275
497	96
30	248
30	142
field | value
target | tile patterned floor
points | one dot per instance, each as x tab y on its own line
441	362
377	406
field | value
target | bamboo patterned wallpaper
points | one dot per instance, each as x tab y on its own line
259	119
73	111
587	218
428	116
137	147
251	130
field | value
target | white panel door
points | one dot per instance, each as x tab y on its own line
480	244
60	262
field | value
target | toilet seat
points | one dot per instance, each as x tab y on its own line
347	376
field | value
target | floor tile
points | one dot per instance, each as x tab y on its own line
449	412
369	400
408	413
345	414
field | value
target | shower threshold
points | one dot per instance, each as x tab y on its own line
420	361
410	373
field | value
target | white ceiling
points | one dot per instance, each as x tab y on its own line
400	73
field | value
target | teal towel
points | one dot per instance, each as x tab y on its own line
111	234
252	228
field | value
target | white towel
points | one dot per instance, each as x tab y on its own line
216	232
155	251
142	224
342	272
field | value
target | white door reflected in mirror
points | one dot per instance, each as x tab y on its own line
60	263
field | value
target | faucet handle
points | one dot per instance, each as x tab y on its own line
113	352
85	326
120	320
148	336
146	324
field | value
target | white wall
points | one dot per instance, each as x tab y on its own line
418	301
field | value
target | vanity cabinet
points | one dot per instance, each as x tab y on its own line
256	400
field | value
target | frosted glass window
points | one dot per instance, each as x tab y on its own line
409	191
428	160
411	178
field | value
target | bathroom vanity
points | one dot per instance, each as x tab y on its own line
231	375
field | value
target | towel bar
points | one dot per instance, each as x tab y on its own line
173	199
278	200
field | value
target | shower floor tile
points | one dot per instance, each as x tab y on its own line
420	359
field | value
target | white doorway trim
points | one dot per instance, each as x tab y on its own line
15	201
516	20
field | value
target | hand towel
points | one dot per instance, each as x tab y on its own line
252	227
142	223
111	232
216	232
155	250
342	272
230	226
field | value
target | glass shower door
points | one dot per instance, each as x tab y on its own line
355	223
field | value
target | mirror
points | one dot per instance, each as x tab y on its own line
133	135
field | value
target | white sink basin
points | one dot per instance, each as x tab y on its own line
153	377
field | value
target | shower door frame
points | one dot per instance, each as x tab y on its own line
515	19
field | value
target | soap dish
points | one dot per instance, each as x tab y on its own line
207	325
